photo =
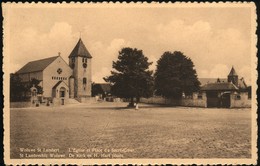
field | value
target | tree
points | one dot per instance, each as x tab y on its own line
131	78
17	88
175	74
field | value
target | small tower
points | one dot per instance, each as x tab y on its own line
233	77
80	63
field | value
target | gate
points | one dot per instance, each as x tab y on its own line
225	100
212	99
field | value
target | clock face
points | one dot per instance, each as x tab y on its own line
59	70
85	65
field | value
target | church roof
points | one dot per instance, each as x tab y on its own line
57	84
232	72
219	86
241	83
204	81
38	65
80	50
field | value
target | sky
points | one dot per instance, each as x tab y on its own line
214	38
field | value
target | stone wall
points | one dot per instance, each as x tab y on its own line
193	103
196	100
159	100
58	101
240	102
86	99
21	104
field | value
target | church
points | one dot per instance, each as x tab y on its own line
62	82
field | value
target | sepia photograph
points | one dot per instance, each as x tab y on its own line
130	83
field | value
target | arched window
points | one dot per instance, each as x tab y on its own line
84	80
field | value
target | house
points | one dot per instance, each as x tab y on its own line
228	93
101	90
62	81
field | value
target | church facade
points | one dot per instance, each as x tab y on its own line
62	81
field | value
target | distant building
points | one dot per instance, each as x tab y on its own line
59	80
230	92
102	90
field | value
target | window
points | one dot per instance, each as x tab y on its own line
84	60
238	97
84	80
59	70
73	60
84	83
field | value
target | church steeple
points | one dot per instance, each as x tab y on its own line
80	50
232	72
80	63
233	77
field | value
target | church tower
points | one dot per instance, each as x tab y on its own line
80	63
233	77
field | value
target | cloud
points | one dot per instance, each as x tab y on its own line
217	71
30	44
60	38
153	66
245	72
60	30
104	55
222	71
98	76
213	50
181	36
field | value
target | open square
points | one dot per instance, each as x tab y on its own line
150	132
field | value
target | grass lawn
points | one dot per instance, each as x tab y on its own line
150	132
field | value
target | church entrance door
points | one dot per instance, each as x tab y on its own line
62	92
62	95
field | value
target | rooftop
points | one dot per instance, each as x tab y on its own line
232	72
219	86
80	50
38	65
